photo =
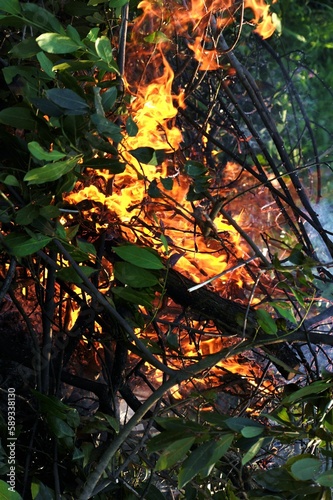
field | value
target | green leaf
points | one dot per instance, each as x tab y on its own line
54	43
310	390
21	245
195	169
250	432
41	154
167	183
86	247
59	427
252	452
25	49
50	172
100	144
174	453
106	127
131	127
164	439
109	98
156	37
134	296
69	274
18	117
143	154
46	64
140	257
134	276
116	4
114	166
73	65
67	99
49	212
285	310
326	479
11	180
41	492
266	322
10	6
42	17
27	214
73	34
165	243
103	49
5	493
238	423
305	468
203	458
276	480
154	191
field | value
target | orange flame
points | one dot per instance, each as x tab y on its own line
149	79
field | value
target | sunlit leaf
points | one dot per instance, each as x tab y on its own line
140	257
285	310
103	49
266	322
252	452
5	493
156	37
50	172
316	387
41	154
54	43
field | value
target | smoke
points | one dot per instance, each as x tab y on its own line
324	210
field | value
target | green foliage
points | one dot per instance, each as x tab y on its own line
205	448
61	117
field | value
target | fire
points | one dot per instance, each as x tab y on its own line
203	247
262	18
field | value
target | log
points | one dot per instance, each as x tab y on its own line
230	317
